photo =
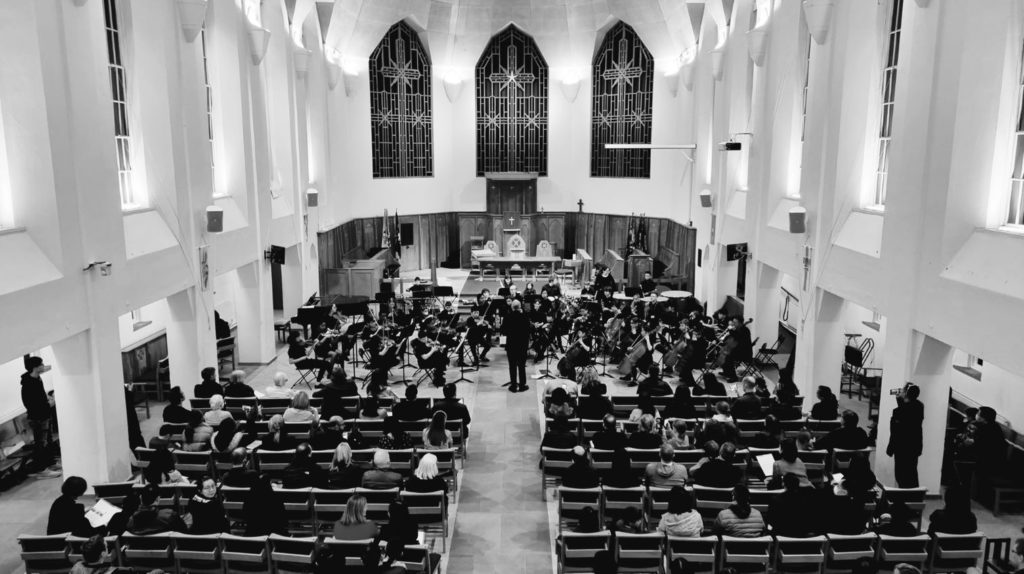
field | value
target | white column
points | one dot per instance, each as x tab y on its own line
762	302
819	355
89	392
254	309
191	338
292	294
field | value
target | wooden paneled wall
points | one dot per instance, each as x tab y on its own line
446	236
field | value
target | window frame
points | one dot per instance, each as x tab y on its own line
1014	207
118	81
892	30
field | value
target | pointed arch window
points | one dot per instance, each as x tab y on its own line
401	117
511	105
622	105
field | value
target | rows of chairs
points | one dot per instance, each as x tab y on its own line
708	501
704	404
209	554
270	407
827	553
371	430
586	428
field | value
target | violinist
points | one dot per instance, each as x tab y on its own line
737	348
478	337
513	294
529	291
447	316
430	354
506	282
545	338
554	289
587	290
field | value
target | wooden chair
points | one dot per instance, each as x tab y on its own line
955	552
912	497
576	550
351	551
710	501
148	553
762	499
844	550
615	500
197	553
572	501
688	458
567	272
800	554
701	552
602	460
245	554
45	554
816	462
893	549
273	462
377	502
997	556
639	458
841	458
113	492
234	499
293	555
193	464
416	558
749	552
749	428
553	464
445	468
143	456
298	507
329	505
657	503
640	552
430	511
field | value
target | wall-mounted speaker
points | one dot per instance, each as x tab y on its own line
705	198
312	197
275	254
214	219
797	219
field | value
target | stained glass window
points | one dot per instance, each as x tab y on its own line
401	118
511	105
623	90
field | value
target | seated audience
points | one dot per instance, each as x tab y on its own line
581	473
740	519
92	561
344	474
381	477
394	438
426	477
680	519
710	449
804	441
748	405
645	406
559	404
723	413
227	437
331	394
453	408
161	469
956	516
302	471
279	389
411	409
847	437
174	413
589	521
720	432
197	434
66	513
559	435
436	436
263	510
770	437
299	411
609	437
621	474
216	414
709	385
400	525
629	520
594	405
859	480
792	513
827	407
353	524
790	463
841	512
236	387
209	385
327	434
676	434
240	475
898	521
149	519
646	436
681	405
654	385
276	439
371	409
719	472
666	472
207	509
119	521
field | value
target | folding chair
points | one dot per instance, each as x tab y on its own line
74	549
298	507
709	501
430	511
148	553
895	549
197	553
273	407
293	555
602	460
113	492
416	559
844	550
640	552
193	464
657	503
587	429
273	462
245	554
329	506
747	553
351	551
762	500
460	440
820	428
765	356
143	456
234	499
912	497
750	367
402	461
572	501
377	502
446	468
553	464
363	457
800	554
615	500
298	431
997	556
816	462
45	554
748	428
576	550
306	377
955	552
701	552
688	458
639	458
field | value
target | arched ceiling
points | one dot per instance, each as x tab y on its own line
456	31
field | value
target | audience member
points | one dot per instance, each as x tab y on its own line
654	385
720	432
748	405
709	385
236	387
771	436
227	437
393	437
676	434
581	473
646	435
589	521
119	521
630	520
559	435
559	404
956	517
897	521
604	562
594	405
680	519
302	471
720	472
207	509
621	474
645	406
371	409
790	463
66	513
344	474
411	409
332	392
792	513
353	524
197	433
328	433
263	510
710	449
827	407
681	405
149	519
381	477
453	408
989	443
847	437
740	519
723	413
609	437
841	512
400	525
436	436
216	414
299	411
209	385
92	561
666	472
174	413
276	439
279	388
426	477
240	475
161	469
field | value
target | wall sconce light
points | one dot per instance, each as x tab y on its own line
214	219
259	39
757	44
312	197
301	57
570	89
192	14
452	89
717	62
103	266
818	14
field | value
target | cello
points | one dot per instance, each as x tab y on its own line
637	350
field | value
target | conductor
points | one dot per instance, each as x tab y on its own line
516	328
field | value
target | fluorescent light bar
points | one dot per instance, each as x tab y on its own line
650	146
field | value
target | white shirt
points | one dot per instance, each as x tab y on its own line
276	392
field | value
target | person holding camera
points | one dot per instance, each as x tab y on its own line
905	435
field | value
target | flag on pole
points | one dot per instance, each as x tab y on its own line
396	240
385	234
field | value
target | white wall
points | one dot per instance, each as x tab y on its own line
998	388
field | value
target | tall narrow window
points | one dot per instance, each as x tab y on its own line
892	56
401	121
6	207
209	108
119	96
1015	213
623	87
805	37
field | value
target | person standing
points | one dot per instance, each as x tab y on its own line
905	435
38	411
516	328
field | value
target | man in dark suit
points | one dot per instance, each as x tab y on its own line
516	328
847	437
905	436
608	438
239	475
411	409
720	472
747	406
303	472
209	386
647	285
452	407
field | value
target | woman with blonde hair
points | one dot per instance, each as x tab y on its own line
436	436
300	411
344	474
425	478
354	525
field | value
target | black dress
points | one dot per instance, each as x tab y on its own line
66	515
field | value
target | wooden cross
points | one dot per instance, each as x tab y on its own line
511	220
580	203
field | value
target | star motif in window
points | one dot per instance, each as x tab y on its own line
493	120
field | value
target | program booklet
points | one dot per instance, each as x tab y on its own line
101	513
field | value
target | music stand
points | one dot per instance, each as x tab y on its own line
462	368
405	334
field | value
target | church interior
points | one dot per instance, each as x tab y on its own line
453	286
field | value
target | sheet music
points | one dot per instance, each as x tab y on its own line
101	513
766	462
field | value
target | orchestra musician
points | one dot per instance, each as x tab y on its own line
297	351
647	285
478	337
736	348
604	278
553	288
640	355
430	354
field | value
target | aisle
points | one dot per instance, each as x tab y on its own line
502	524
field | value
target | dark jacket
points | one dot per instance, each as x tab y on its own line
176	414
827	410
679	410
33	396
286	442
208	516
304	476
411	411
713	389
654	387
989	446
155	521
332	404
792	514
238	477
608	440
950	523
239	391
594	407
845	438
747	407
433	485
207	389
453	409
264	516
717	473
516	328
66	515
580	476
554	439
905	428
349	477
380	479
645	440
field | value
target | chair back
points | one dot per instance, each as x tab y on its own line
844	550
44	554
762	499
912	497
298	430
377	502
351	551
639	552
245	554
576	553
113	492
372	430
273	462
297	504
143	456
792	426
602	459
701	552
323	458
553	464
273	407
747	551
402	461
74	548
800	554
146	553
820	428
292	555
363	456
614	500
572	501
816	462
197	553
329	504
192	464
622	405
956	552
710	501
749	428
234	500
657	503
841	457
459	438
177	431
688	458
416	559
544	248
639	458
895	549
425	507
